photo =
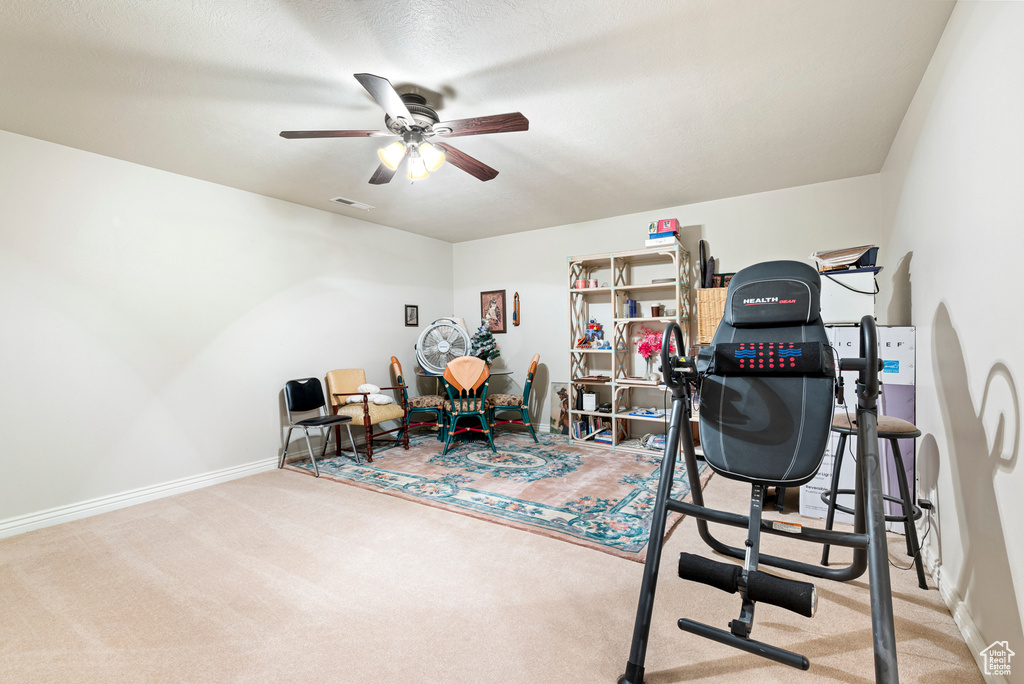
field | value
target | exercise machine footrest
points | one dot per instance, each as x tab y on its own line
799	597
764	650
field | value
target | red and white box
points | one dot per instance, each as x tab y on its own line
666	226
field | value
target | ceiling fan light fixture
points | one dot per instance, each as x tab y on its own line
392	155
416	169
407	116
432	156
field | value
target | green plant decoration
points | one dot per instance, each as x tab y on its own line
483	344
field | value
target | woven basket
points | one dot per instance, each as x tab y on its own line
710	309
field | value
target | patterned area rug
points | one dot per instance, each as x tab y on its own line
585	495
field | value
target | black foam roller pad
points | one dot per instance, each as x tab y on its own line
724	576
799	597
773	358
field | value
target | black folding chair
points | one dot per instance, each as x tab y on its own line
304	396
766	394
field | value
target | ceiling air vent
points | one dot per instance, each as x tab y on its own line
352	203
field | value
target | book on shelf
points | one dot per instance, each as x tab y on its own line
586	427
662	241
593	378
658	236
589	427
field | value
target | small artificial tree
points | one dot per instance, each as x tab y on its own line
484	345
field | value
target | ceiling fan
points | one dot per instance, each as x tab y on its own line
408	118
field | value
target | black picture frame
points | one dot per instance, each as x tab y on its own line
412	316
493	310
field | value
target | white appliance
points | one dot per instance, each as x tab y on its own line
897	349
847	296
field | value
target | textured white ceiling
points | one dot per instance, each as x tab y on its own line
633	106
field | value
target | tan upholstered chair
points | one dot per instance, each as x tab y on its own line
342	384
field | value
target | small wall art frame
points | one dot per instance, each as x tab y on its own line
412	316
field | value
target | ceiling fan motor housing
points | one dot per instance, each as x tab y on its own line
424	117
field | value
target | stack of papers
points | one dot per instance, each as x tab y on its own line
839	258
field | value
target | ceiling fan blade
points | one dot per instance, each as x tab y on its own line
496	123
461	160
384	175
291	135
386	96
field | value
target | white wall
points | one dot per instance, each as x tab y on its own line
150	320
783	224
953	224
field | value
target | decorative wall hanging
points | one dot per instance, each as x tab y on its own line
412	316
492	310
515	309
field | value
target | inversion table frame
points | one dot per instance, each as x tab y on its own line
868	539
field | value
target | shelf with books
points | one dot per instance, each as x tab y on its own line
640	279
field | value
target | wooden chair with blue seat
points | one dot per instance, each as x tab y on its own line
432	404
465	381
513	404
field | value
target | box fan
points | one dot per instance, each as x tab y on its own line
441	341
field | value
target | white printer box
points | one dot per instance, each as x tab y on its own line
846	297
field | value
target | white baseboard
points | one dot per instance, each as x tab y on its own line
953	600
84	509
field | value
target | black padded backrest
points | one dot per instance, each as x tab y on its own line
770	428
773	293
304	395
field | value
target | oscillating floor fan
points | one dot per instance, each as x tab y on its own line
441	341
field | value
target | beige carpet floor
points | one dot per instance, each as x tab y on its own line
281	577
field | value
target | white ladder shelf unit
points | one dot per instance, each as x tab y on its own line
627	275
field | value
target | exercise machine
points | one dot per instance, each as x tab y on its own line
766	387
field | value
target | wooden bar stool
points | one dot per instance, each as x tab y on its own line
892	429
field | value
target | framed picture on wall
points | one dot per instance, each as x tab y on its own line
492	310
412	316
